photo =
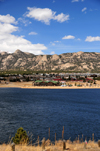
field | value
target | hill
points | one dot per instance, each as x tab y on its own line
80	61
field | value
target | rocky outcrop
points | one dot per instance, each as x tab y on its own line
79	61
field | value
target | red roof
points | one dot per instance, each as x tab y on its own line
57	79
88	79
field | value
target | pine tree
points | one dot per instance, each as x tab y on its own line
21	137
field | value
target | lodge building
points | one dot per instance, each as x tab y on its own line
46	83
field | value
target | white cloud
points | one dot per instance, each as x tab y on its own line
10	42
53	1
52	53
32	33
7	28
68	37
52	43
91	39
7	19
24	21
45	15
93	9
57	41
84	9
61	17
75	1
79	39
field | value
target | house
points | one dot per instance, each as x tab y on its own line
89	80
46	83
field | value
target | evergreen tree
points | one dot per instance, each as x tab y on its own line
21	137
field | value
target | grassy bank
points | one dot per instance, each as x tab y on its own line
57	146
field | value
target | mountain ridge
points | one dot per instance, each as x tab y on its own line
78	61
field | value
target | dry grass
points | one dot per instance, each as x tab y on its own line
91	146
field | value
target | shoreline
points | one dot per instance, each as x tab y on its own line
28	85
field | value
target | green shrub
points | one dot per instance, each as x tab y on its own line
21	137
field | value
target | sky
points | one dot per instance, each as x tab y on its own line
50	26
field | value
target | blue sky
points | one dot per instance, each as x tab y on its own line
50	26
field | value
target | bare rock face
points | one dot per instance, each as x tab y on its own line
66	65
42	60
79	61
18	62
79	53
10	57
18	51
55	57
3	53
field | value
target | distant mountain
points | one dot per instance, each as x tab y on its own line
80	61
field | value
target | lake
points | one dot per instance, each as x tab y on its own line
78	110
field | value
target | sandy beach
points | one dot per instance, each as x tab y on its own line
30	86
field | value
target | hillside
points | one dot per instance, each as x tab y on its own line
80	61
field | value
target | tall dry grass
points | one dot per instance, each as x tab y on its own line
58	146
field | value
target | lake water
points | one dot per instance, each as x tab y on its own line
36	110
